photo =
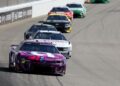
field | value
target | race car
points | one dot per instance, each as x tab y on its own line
31	54
58	39
99	1
38	26
78	9
60	21
62	10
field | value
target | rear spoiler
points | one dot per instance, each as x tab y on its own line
41	22
45	22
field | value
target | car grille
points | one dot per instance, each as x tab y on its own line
62	49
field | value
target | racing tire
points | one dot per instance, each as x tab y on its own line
17	66
83	15
27	67
67	57
69	30
11	64
60	71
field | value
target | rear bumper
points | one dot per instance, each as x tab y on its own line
99	1
78	13
63	28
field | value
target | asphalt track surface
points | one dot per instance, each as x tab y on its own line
96	50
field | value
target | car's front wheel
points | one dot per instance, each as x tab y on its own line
12	61
60	70
68	30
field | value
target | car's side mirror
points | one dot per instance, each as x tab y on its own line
14	47
30	37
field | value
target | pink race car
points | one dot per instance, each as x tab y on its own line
31	54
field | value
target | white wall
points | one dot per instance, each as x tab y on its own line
42	8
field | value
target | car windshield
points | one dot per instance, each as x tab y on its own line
52	36
57	17
35	28
74	5
60	9
38	47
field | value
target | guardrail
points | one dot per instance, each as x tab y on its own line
30	10
6	3
11	16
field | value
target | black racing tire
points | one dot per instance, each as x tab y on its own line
60	71
69	30
17	65
11	64
27	67
82	16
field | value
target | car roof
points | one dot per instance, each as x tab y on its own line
37	41
42	24
57	14
47	31
61	7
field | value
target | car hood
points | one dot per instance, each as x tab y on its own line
57	43
34	55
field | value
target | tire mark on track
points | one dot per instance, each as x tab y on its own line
77	62
86	27
99	13
59	81
57	78
4	70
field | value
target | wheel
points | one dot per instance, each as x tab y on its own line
71	19
83	15
67	57
60	70
27	67
23	66
17	65
17	68
69	30
11	61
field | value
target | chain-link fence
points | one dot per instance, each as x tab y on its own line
4	3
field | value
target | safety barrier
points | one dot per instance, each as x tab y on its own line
32	9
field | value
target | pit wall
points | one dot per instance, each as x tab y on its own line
42	8
31	10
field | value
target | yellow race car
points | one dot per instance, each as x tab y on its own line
60	21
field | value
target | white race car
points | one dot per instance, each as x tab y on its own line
57	38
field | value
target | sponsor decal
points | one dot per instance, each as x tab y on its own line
41	59
37	54
50	55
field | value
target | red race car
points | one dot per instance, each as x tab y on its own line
62	10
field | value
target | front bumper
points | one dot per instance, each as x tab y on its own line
63	28
78	13
99	1
43	63
65	51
